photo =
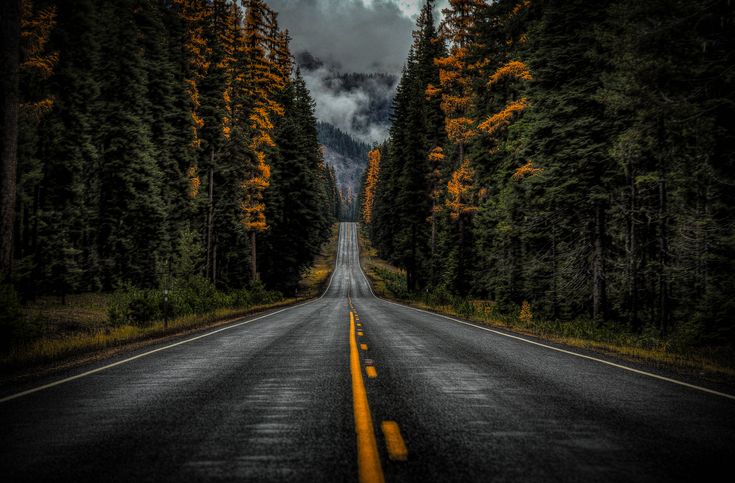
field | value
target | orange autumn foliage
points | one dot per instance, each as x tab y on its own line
230	39
514	69
432	91
520	7
455	69
503	118
436	158
194	181
35	32
459	191
436	154
269	65
525	171
194	15
37	62
460	129
371	182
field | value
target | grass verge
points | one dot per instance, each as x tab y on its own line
81	330
716	363
58	348
315	280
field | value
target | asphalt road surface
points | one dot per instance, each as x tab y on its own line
351	387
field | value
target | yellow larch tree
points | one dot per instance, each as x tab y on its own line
456	71
527	170
436	159
460	187
456	75
194	15
460	200
493	124
371	182
37	62
511	71
265	78
230	38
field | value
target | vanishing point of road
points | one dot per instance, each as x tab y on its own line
350	387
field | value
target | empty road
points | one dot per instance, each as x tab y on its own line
351	387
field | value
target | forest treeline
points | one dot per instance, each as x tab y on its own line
576	156
342	143
157	138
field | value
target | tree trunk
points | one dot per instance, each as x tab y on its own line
599	302
9	93
208	272
433	242
460	261
214	262
253	257
663	280
554	275
411	272
632	256
663	235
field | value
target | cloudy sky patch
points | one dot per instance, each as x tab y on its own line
356	35
364	36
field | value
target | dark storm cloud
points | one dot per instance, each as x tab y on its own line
355	35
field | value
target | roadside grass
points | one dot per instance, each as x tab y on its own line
314	280
59	334
82	311
55	346
390	282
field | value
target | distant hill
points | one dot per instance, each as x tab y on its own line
346	154
354	111
369	95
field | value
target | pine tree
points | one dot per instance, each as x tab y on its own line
46	213
10	15
369	185
264	80
130	206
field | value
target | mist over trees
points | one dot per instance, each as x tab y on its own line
155	137
575	157
356	103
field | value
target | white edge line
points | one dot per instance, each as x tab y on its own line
129	359
557	349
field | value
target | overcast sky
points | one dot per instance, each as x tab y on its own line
350	36
357	35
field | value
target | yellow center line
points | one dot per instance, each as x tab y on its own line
368	459
397	450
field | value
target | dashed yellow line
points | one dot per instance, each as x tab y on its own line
371	372
397	450
368	459
363	347
360	333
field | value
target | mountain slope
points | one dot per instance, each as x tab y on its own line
347	155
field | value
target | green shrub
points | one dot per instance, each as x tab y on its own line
395	282
190	296
439	296
463	307
133	306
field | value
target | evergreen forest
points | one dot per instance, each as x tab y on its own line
575	159
156	139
